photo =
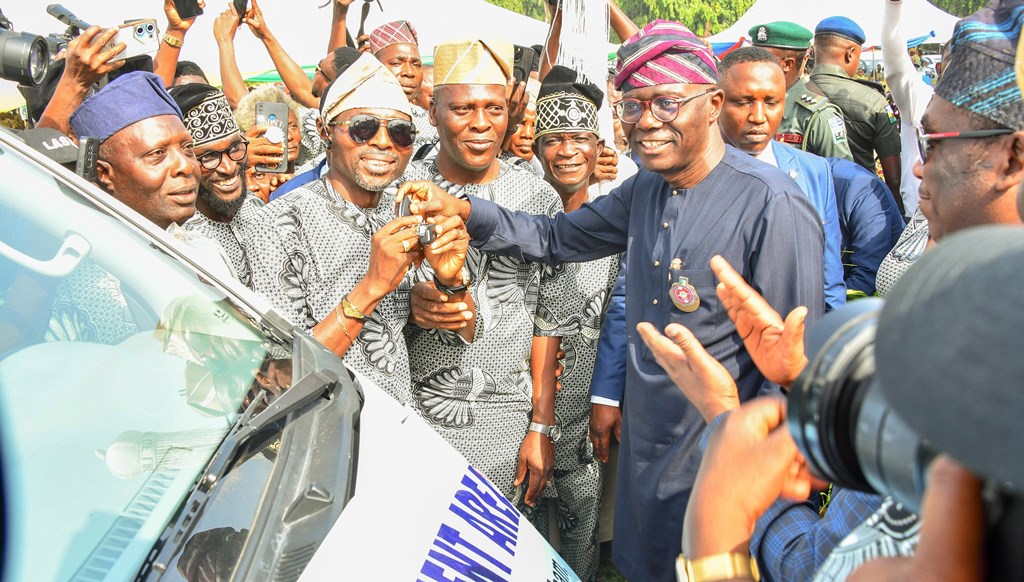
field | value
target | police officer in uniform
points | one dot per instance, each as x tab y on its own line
810	121
870	120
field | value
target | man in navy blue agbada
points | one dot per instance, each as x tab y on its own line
694	198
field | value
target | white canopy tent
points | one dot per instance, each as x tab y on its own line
919	18
299	25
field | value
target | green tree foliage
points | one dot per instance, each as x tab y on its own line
531	8
959	7
704	17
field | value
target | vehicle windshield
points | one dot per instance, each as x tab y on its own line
120	374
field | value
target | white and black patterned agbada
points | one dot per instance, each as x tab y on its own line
232	236
478	396
576	314
425	132
312	144
313	249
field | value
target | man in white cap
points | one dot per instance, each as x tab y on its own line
483	397
334	256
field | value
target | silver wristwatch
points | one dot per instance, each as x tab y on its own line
552	431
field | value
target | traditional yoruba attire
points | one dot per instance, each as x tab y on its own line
765	227
233	237
478	396
316	249
208	119
573	311
317	246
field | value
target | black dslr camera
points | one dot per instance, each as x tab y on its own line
945	378
24	57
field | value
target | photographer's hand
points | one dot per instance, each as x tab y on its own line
704	381
224	29
750	461
85	63
776	346
952	541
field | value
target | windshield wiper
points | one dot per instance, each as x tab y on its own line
315	379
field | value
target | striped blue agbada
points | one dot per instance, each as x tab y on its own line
979	75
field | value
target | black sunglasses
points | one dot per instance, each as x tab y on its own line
924	140
362	128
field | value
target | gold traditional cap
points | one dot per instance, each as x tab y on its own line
473	62
365	83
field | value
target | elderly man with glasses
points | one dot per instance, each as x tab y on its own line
694	198
225	211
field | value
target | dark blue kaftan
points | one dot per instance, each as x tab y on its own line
750	213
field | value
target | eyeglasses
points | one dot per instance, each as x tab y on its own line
362	128
235	152
924	145
664	108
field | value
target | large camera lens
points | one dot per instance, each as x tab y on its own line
840	419
825	401
24	57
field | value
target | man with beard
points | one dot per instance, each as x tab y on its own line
696	197
226	211
482	397
332	256
396	46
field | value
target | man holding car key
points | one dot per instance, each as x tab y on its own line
332	256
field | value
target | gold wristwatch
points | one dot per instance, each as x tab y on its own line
350	310
724	566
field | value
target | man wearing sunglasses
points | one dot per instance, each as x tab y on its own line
225	210
694	198
333	257
396	46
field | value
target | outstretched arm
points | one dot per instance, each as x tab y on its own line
166	60
299	85
224	29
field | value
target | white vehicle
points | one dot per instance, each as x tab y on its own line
159	423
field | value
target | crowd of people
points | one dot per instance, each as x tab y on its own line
469	242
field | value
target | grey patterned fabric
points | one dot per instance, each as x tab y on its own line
425	132
908	249
892	531
232	236
310	250
312	145
479	396
576	317
89	306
